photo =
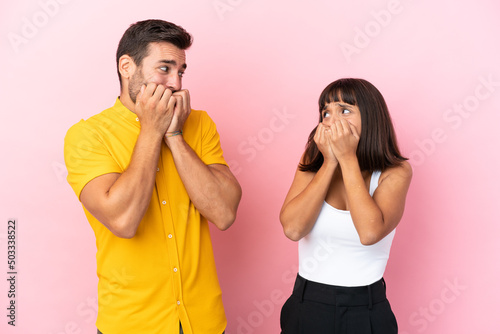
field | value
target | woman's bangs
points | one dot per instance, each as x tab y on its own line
337	93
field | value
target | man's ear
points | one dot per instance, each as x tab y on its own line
126	66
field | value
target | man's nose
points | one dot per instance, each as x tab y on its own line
174	82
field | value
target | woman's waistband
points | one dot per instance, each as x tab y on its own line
340	295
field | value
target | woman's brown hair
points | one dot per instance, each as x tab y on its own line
377	147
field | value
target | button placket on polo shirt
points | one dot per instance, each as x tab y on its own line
171	243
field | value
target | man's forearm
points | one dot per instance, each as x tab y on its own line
128	198
213	191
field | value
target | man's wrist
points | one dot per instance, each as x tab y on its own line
173	134
172	138
150	134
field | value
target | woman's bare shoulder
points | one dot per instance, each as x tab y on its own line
402	171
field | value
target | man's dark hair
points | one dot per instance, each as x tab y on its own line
377	147
135	41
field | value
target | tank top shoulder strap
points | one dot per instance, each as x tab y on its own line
374	181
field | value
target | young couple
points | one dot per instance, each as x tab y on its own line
150	174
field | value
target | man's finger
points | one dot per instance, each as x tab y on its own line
171	104
165	98
143	87
179	102
159	92
150	89
182	92
183	95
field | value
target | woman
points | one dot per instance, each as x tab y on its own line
346	199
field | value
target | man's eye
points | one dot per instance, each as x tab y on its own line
181	74
164	68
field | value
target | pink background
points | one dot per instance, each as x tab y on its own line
258	68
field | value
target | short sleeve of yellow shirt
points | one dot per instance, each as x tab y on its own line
86	156
166	273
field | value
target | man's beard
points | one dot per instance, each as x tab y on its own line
135	84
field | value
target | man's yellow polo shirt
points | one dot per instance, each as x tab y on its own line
166	272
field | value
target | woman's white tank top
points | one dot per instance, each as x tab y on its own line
332	253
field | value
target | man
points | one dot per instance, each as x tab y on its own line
149	173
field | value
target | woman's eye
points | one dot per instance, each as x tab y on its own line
181	74
346	111
326	114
